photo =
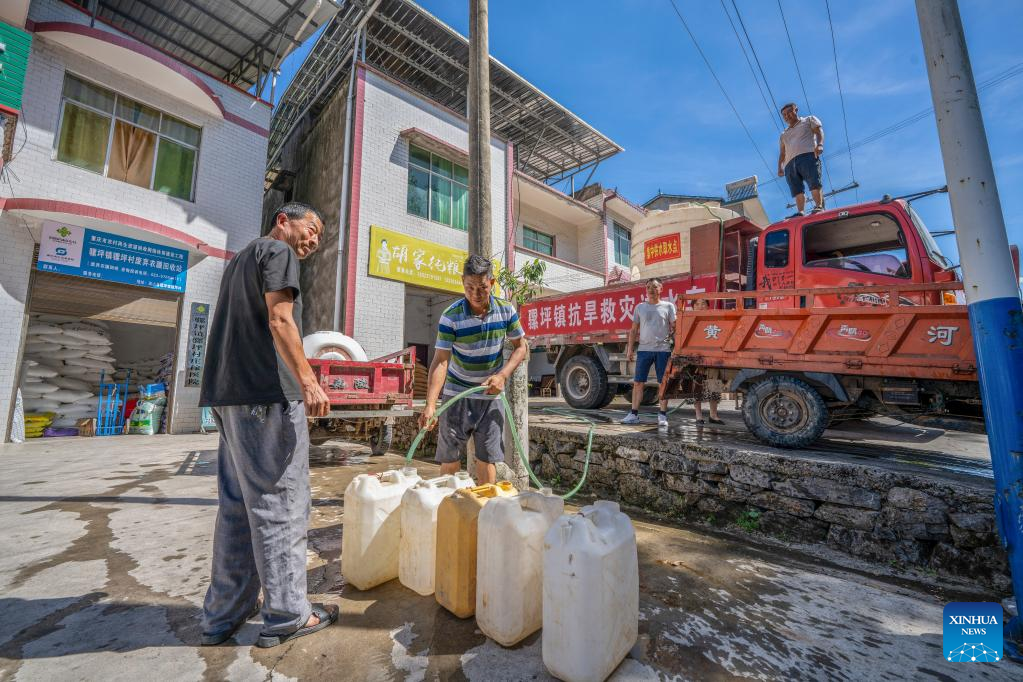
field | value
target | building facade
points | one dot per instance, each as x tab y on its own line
120	145
385	159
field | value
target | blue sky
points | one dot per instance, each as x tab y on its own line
628	68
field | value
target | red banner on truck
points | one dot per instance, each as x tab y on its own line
599	311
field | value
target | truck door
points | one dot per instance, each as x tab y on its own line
867	248
776	268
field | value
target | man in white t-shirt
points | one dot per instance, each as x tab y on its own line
653	322
799	161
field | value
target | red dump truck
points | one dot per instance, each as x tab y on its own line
848	312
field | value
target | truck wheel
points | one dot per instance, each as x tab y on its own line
611	394
649	396
380	440
584	383
785	412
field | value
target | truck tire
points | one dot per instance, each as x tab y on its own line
649	395
380	440
785	412
611	394
332	346
584	383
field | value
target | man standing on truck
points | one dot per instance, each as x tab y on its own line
261	389
799	160
470	352
654	323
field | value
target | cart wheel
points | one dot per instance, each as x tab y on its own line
649	395
380	440
785	412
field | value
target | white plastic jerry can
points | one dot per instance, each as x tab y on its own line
417	551
590	593
372	527
509	564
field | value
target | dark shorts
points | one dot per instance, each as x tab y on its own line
803	168
645	358
482	419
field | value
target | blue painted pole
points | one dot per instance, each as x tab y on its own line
992	289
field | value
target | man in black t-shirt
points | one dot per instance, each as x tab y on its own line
261	389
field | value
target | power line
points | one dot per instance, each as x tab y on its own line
806	97
755	57
841	97
770	112
722	87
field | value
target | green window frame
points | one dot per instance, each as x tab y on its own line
94	121
437	189
622	244
534	240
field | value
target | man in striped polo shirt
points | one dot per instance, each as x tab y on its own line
470	352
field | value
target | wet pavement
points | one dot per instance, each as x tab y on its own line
882	441
104	561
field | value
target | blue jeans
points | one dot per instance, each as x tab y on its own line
645	358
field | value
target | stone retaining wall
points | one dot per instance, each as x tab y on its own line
892	517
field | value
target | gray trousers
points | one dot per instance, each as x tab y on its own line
260	537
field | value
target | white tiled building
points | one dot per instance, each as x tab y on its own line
402	129
190	150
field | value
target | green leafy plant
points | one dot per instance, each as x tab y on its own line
524	285
749	520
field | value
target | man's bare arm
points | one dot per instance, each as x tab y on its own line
279	306
781	158
633	330
495	383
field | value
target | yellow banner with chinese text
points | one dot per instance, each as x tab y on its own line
404	258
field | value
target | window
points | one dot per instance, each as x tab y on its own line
438	189
623	244
537	241
776	249
120	138
871	243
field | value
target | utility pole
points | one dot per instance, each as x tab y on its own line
480	227
992	290
480	242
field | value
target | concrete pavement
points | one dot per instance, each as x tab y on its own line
104	560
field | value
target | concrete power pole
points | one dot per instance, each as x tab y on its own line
480	226
992	290
480	241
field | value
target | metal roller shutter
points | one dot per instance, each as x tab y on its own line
55	294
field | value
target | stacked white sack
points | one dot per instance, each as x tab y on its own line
61	373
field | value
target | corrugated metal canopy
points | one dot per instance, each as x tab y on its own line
234	40
409	44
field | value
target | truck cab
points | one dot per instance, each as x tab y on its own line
871	244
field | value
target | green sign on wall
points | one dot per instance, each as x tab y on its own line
13	63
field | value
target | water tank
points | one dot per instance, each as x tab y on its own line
660	241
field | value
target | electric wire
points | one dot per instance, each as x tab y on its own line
772	113
738	14
722	88
799	74
841	97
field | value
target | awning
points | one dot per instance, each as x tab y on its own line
135	60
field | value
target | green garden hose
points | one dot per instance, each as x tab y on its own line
515	437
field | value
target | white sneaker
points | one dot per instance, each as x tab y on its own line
631	419
662	419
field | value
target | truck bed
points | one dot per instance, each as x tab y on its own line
897	340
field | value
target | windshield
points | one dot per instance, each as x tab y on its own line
932	246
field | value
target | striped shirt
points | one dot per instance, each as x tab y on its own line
476	342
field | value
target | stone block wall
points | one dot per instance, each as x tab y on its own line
894	518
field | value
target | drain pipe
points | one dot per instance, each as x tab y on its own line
346	169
